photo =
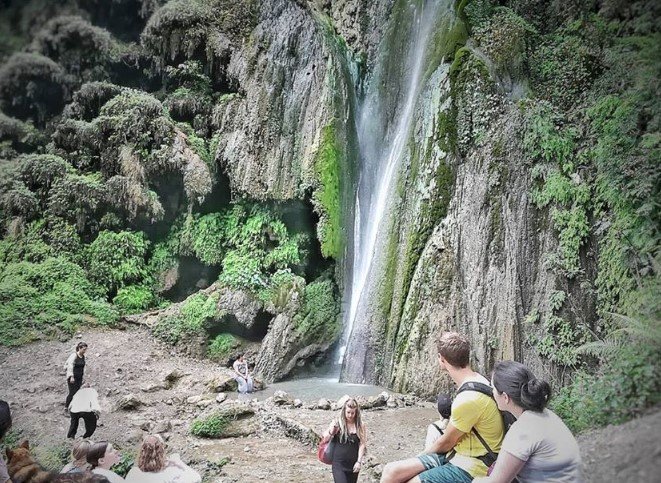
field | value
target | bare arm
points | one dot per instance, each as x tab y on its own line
361	451
447	441
507	467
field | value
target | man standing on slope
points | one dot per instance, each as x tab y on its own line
457	455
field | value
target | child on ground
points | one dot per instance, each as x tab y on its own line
435	430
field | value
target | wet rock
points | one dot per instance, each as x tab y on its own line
281	398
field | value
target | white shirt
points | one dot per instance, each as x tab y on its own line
86	400
112	477
176	471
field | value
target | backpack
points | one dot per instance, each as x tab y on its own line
508	419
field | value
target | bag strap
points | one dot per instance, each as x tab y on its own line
487	391
440	431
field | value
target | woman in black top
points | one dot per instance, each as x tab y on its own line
75	370
350	443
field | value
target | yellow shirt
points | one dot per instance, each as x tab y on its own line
474	409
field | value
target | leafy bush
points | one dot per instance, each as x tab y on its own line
134	298
211	426
318	319
189	320
48	297
117	259
221	346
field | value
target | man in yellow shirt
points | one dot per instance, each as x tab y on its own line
458	455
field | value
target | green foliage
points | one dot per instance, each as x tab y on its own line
114	260
189	320
565	64
134	298
127	459
47	297
508	40
560	339
211	426
318	319
221	347
280	286
623	387
561	185
327	196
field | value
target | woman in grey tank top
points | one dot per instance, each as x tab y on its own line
538	447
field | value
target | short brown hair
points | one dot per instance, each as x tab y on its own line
454	348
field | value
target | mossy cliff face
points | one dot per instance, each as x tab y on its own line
505	217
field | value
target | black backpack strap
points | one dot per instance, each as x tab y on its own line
440	431
476	386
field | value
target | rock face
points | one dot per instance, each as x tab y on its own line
291	85
463	246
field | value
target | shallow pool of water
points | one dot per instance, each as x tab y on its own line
314	388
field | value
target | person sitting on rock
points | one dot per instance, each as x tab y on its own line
5	426
538	446
436	429
101	457
242	375
153	467
79	454
458	455
85	405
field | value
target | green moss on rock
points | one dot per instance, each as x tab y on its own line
327	196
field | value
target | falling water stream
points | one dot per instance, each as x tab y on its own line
382	138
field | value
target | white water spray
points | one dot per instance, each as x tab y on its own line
383	156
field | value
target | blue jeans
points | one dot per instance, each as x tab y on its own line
439	470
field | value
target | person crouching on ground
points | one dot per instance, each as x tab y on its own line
349	435
152	465
242	374
79	455
75	367
538	447
458	455
85	405
5	426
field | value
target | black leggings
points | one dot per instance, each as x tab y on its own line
341	476
73	389
90	424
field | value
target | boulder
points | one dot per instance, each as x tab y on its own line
323	404
281	398
222	383
129	403
221	397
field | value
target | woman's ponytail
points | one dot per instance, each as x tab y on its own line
535	394
521	385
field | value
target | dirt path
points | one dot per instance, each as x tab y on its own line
124	362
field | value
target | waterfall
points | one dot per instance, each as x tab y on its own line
384	119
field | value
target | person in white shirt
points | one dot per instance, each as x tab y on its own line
85	405
436	429
101	457
153	467
538	447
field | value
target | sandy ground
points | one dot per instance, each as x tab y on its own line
122	362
